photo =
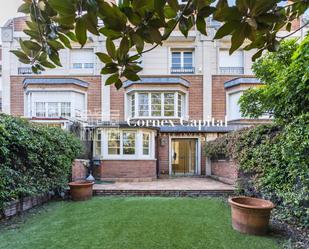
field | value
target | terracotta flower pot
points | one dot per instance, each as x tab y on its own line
81	191
250	215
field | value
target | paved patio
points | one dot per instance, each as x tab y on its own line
180	183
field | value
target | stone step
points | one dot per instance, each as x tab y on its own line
163	193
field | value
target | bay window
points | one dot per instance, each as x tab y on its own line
146	143
52	109
40	109
156	105
129	138
124	144
113	142
143	104
169	104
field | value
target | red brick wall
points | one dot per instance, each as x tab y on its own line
79	171
195	97
94	92
224	169
219	94
126	169
19	23
163	155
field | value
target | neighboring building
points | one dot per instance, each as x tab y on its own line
186	79
0	78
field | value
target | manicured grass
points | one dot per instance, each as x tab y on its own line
132	223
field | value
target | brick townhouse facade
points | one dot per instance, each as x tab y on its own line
182	82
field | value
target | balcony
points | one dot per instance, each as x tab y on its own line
25	70
182	70
231	70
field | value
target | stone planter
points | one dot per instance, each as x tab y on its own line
81	191
250	215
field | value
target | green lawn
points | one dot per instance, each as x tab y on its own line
132	223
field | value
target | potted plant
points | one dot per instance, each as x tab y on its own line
81	190
250	215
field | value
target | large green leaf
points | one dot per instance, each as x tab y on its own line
111	49
238	37
65	40
105	58
55	44
139	42
110	33
32	45
112	79
81	30
174	4
22	56
226	29
63	6
201	25
24	8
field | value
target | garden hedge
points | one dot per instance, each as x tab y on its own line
274	164
34	158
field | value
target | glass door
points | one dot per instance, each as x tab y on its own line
184	156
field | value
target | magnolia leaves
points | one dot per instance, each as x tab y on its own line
118	63
134	24
255	21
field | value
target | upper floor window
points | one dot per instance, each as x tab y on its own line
157	104
52	109
182	62
55	104
231	64
82	59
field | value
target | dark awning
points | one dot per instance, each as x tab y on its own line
54	81
158	80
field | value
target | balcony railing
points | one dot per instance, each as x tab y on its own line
231	70
182	70
25	70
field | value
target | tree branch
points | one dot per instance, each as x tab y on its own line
172	29
295	31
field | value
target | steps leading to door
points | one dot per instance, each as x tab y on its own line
163	193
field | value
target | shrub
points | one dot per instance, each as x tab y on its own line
34	158
273	163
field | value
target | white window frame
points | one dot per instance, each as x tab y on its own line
231	70
47	112
138	145
182	51
162	116
30	100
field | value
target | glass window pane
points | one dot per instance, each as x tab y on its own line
88	65
128	142
143	105
146	141
65	109
176	59
169	104
114	143
77	65
133	105
156	103
40	109
179	107
187	59
52	109
98	143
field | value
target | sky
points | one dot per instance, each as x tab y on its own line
8	9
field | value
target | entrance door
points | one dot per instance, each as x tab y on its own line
184	156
